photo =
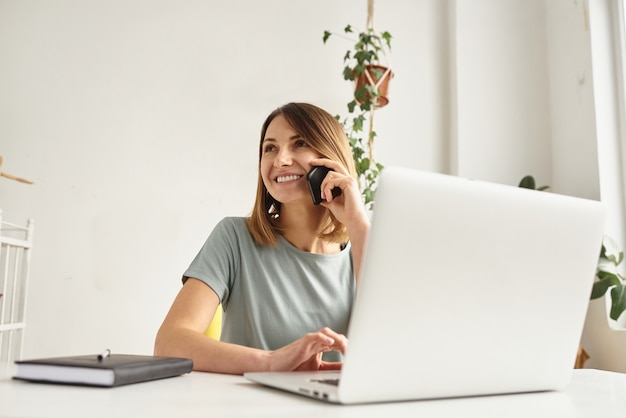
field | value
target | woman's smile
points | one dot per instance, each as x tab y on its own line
288	178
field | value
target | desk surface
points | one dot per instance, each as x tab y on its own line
592	393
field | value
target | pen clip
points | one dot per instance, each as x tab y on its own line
105	354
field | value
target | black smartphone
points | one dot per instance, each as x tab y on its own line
314	178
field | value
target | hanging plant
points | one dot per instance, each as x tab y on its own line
366	67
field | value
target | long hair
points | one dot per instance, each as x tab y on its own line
325	135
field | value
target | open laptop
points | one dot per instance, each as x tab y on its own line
467	288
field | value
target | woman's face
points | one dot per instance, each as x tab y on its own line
285	161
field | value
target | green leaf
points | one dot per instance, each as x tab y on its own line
613	277
348	73
610	251
326	35
528	182
387	37
377	73
365	57
615	258
358	47
358	69
364	165
369	196
366	105
357	122
618	301
360	94
606	266
601	286
351	107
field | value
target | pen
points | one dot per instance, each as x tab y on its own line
106	353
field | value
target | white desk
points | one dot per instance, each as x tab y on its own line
592	393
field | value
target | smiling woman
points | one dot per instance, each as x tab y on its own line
291	145
286	275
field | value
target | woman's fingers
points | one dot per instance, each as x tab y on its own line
339	341
333	165
306	352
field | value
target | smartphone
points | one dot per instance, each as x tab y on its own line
314	178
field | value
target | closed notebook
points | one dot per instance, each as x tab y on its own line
93	370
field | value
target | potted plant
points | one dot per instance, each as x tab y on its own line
366	68
608	278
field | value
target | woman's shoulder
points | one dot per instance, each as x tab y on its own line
233	224
234	221
234	227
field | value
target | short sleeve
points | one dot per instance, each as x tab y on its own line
218	260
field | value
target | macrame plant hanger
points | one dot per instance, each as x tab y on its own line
369	25
370	29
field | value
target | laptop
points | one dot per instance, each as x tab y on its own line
468	288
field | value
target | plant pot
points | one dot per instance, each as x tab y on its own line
378	77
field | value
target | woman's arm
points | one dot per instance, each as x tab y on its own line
182	335
348	208
358	239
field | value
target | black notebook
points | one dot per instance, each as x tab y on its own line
94	370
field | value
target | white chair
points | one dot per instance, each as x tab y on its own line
16	243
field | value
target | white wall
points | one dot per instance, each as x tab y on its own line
572	104
524	98
138	121
502	106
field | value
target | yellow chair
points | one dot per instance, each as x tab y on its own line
215	327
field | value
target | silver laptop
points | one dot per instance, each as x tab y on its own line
468	288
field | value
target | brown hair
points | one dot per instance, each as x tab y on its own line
326	136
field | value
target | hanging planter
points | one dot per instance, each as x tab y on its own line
373	85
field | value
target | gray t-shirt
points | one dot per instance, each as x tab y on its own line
273	295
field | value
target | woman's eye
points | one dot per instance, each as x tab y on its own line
269	148
301	143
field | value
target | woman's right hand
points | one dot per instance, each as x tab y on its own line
306	352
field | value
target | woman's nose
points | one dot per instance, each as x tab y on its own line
283	158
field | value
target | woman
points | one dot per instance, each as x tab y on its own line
286	275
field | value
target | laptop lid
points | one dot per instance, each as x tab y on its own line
469	288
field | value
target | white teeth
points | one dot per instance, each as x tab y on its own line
283	179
